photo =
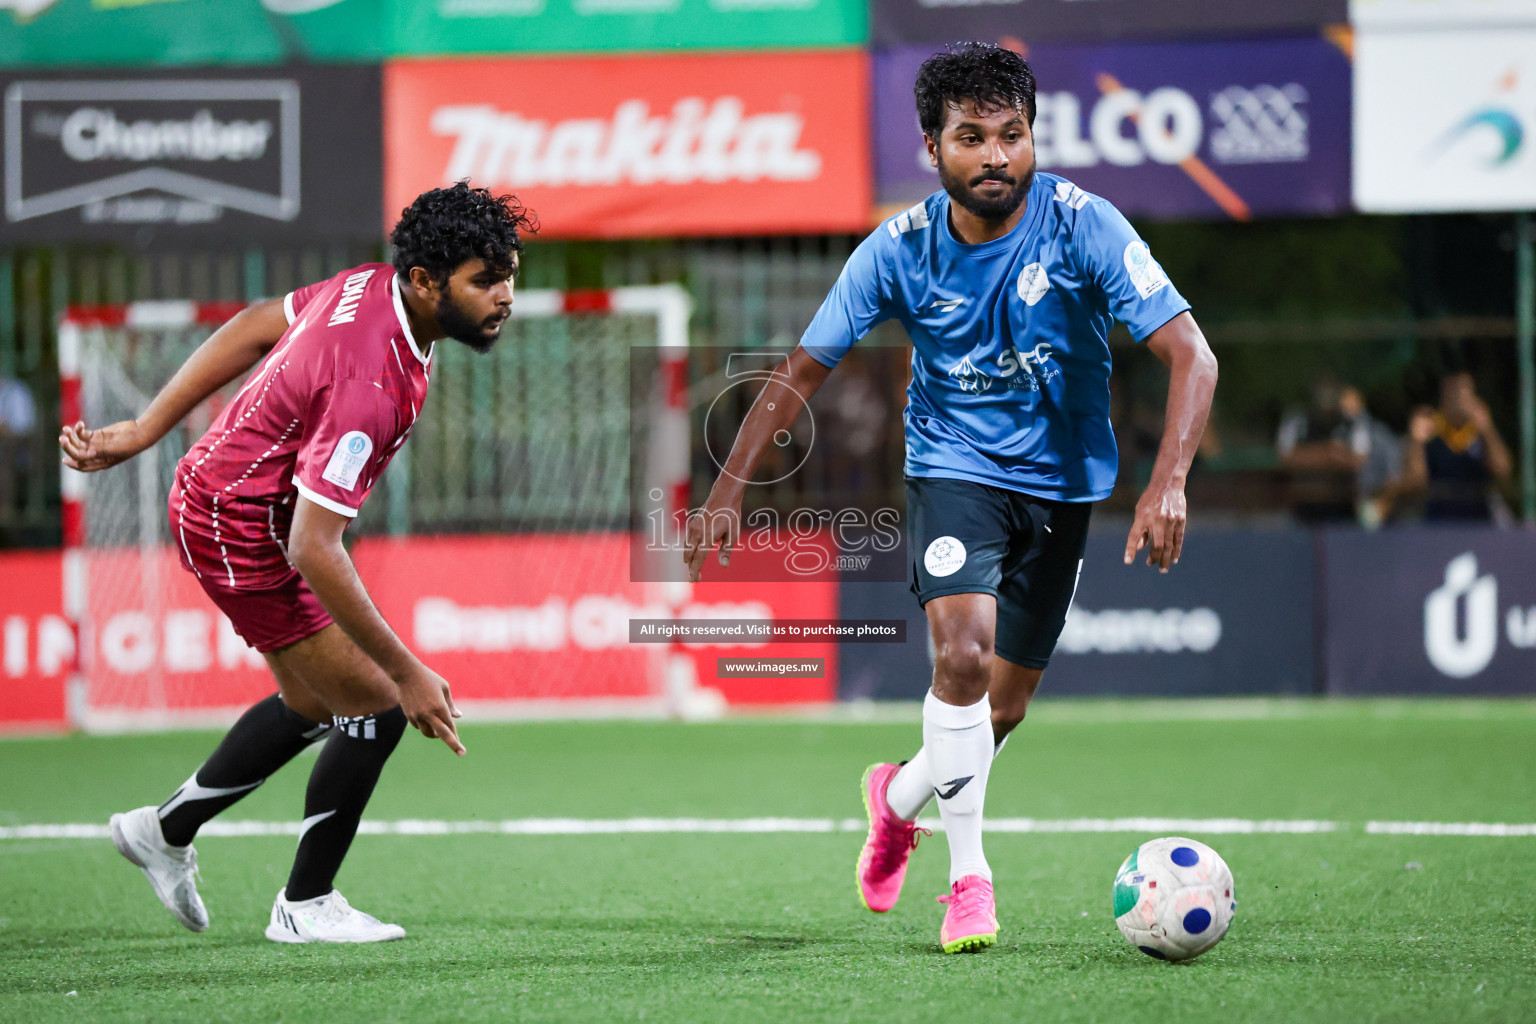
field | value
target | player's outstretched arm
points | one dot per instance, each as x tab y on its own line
315	548
229	351
1162	512
774	410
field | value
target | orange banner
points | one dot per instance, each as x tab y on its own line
640	146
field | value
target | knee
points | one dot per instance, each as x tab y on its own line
963	663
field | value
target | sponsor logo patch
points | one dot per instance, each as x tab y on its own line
348	460
944	556
1145	273
1033	284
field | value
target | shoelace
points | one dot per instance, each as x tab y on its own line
970	900
898	842
332	910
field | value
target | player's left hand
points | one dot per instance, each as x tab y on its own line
1159	526
90	450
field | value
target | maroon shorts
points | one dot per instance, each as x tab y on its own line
269	620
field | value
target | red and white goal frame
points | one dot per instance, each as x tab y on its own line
151	653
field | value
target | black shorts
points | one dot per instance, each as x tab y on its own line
970	538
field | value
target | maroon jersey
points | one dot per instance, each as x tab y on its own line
321	417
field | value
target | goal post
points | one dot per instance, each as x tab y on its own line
497	544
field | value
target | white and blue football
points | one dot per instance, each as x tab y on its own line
1174	898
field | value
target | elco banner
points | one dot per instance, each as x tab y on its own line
182	158
1430	611
1463	138
1033	21
1189	130
647	146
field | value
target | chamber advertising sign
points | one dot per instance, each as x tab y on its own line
647	146
1033	21
1445	121
1430	611
186	157
1235	129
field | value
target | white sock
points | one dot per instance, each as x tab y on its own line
958	742
911	788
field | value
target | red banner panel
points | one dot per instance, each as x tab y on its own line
618	147
37	645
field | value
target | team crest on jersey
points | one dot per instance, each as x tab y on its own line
348	460
944	556
1034	282
1146	274
969	378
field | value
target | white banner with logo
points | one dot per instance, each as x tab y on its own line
1445	121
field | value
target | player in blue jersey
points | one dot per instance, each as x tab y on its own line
1008	282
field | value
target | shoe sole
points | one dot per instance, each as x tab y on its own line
277	934
125	848
869	815
971	943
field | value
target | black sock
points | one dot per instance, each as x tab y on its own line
268	736
339	789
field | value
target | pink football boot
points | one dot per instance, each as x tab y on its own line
970	923
883	861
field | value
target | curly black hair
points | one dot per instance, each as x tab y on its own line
447	226
989	76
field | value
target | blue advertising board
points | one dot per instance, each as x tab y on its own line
1235	617
1189	130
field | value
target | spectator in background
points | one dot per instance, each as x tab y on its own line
18	419
1454	455
1343	462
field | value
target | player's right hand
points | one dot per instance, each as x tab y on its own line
716	525
428	705
90	450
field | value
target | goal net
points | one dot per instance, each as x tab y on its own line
497	544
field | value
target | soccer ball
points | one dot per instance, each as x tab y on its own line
1174	898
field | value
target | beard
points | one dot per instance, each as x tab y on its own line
479	335
994	208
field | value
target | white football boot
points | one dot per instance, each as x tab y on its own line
328	918
172	870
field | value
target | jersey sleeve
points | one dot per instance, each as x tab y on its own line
348	440
295	301
859	300
1137	290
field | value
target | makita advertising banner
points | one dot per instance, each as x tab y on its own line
647	146
1462	138
1233	129
431	27
183	158
57	33
1234	617
1033	21
1431	611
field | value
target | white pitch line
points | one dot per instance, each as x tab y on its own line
1447	828
673	826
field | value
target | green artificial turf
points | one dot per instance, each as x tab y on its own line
1335	926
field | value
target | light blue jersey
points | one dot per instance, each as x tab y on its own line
1010	352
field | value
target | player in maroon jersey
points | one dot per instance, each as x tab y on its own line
258	509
